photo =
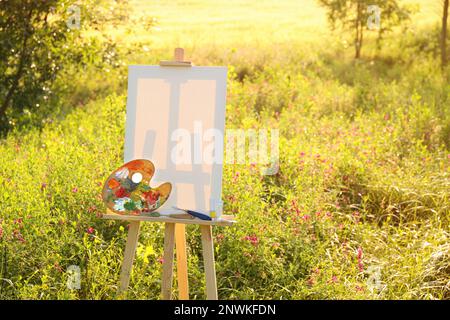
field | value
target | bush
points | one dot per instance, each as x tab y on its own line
42	41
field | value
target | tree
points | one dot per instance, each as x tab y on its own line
41	39
29	37
444	34
359	15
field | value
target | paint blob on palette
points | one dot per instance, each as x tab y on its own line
127	190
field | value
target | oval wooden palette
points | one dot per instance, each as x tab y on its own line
127	190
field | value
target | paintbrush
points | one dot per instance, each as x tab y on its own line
195	214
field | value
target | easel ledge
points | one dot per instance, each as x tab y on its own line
226	220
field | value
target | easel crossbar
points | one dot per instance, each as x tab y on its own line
224	221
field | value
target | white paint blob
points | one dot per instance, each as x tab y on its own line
137	177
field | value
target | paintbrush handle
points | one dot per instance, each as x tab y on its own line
199	215
196	214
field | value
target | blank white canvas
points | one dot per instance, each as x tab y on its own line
163	99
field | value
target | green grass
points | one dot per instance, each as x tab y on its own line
363	181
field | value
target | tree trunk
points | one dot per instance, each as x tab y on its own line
20	68
444	35
359	24
357	44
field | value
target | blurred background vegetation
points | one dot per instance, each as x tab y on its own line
361	204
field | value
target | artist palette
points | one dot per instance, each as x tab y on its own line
127	190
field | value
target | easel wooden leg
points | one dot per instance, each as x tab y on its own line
167	275
208	258
130	249
182	274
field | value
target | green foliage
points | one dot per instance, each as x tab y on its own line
42	40
31	54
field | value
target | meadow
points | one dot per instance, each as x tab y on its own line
359	209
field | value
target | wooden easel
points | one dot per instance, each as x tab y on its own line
174	237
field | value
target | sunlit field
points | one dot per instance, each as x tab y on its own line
359	209
230	23
248	30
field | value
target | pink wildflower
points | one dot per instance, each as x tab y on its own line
306	217
357	216
92	209
294	206
220	237
252	239
19	236
360	262
359	288
19	221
